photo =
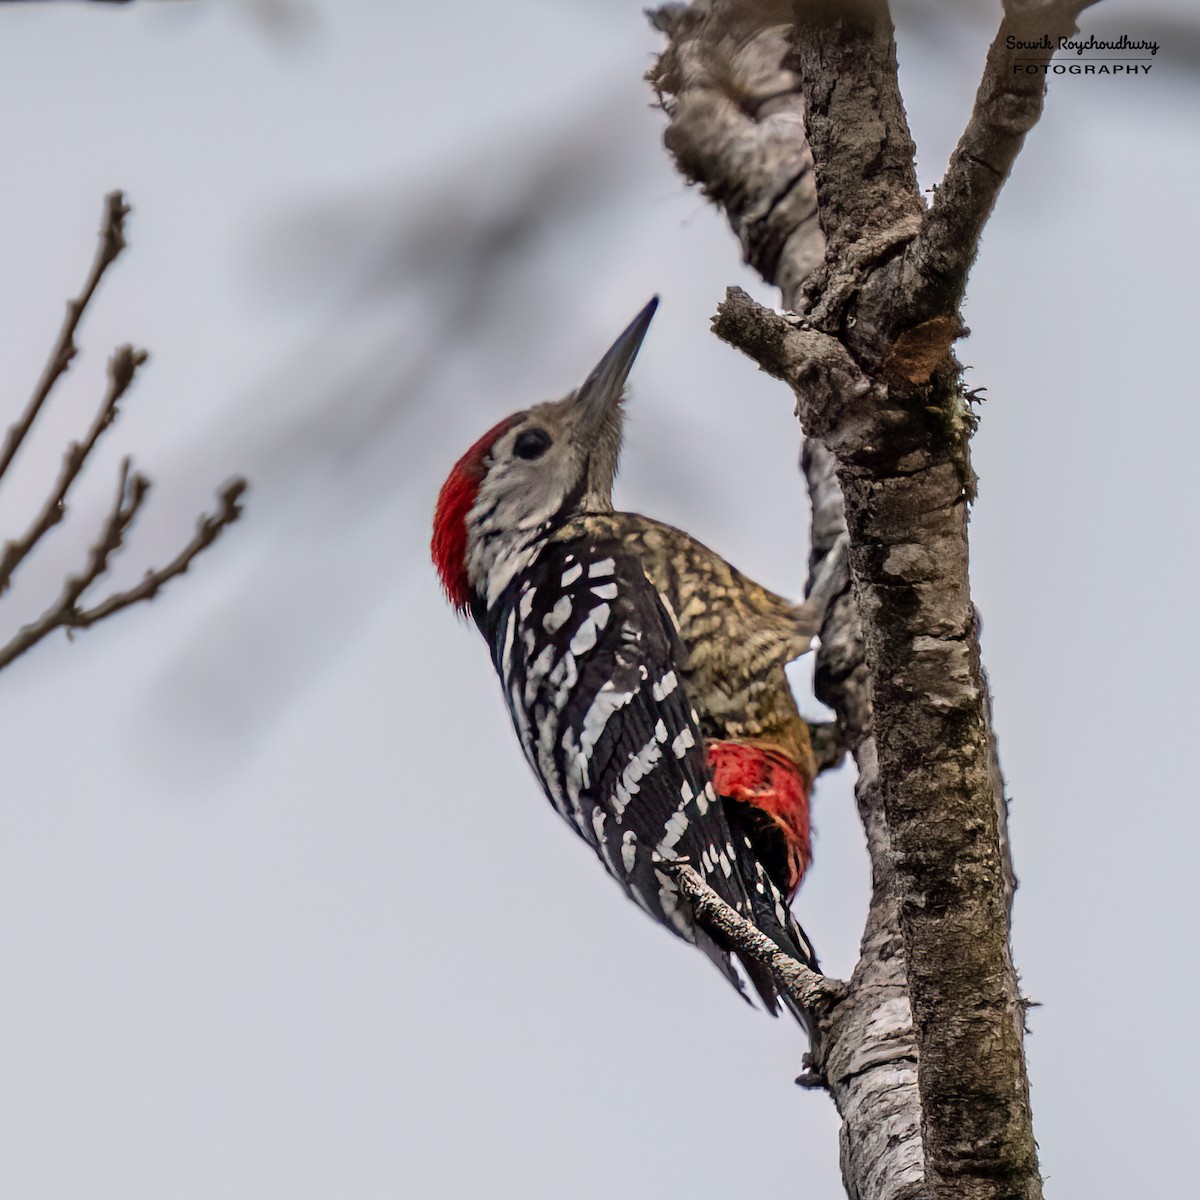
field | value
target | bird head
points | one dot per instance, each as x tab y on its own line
529	473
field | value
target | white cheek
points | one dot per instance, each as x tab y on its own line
506	522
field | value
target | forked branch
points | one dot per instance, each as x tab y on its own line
866	344
68	611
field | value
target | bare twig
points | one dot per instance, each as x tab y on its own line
66	612
112	242
813	993
121	369
208	529
131	493
132	490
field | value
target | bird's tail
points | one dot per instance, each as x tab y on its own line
770	914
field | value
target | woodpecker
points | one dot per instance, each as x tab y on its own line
643	674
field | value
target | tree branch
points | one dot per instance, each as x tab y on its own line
1008	105
737	128
131	494
844	57
66	612
121	369
112	242
813	993
209	527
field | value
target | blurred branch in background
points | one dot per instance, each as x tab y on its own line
109	2
66	612
441	287
438	291
283	21
431	267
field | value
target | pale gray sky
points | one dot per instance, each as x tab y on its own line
285	914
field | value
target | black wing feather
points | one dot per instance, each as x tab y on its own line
592	667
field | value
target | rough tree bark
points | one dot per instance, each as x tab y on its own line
791	118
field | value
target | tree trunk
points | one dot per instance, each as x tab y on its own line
792	121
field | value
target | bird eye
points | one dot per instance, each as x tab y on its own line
531	443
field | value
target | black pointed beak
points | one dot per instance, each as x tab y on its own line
602	389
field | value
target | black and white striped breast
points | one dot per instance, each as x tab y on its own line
592	673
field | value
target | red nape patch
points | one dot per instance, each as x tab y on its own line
454	502
773	784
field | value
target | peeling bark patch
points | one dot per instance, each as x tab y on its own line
918	352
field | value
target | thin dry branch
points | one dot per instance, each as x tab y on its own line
121	369
112	242
209	527
66	611
131	494
813	993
